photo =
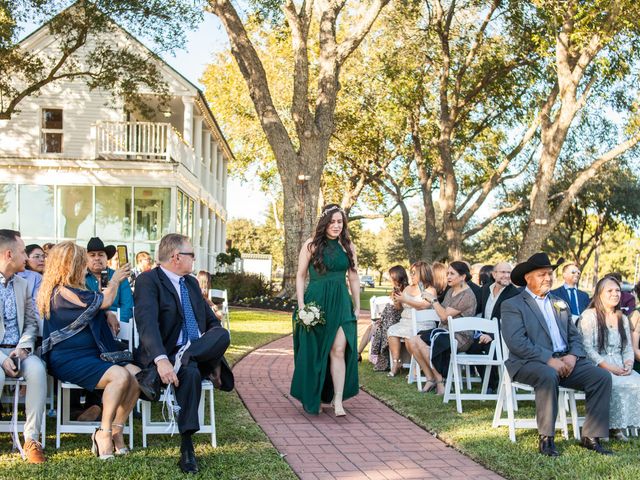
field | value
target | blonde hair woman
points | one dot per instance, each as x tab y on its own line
78	345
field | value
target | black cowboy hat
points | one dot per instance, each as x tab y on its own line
535	262
97	245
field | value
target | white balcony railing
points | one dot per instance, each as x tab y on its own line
142	141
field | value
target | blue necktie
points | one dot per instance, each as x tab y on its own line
190	325
575	310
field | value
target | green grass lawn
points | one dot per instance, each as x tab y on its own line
244	451
472	434
370	292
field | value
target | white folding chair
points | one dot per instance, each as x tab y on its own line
376	306
421	316
151	427
7	425
509	395
64	424
226	318
493	358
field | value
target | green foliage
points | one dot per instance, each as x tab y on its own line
228	257
251	237
84	36
240	285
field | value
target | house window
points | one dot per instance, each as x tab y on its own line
51	130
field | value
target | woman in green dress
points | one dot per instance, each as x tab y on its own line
326	356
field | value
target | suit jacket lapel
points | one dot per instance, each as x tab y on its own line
166	283
528	299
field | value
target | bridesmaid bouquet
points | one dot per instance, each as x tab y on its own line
310	316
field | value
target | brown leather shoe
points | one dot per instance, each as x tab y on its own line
33	451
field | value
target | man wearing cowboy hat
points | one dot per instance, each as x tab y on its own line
97	256
546	351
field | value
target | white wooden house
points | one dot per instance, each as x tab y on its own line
76	163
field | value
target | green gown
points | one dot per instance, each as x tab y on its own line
311	381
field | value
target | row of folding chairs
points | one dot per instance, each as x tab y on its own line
64	424
461	369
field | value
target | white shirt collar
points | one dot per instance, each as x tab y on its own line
536	297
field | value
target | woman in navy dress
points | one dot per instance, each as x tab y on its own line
76	333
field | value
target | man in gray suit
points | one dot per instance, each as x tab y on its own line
18	331
546	351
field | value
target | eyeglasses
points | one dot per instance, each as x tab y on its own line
191	254
574	272
38	257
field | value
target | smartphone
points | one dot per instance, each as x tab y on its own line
123	255
104	279
17	361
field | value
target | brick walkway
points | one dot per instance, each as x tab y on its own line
372	442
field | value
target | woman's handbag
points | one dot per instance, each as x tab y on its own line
119	356
149	383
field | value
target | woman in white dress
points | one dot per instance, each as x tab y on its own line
421	282
607	341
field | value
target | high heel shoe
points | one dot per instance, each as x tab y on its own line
118	452
429	386
338	409
94	446
396	366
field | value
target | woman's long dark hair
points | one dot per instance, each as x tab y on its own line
319	241
399	276
601	316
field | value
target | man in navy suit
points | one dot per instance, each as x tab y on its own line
171	313
576	299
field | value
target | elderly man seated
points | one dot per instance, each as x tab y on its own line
546	351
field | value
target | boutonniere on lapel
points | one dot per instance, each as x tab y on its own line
560	305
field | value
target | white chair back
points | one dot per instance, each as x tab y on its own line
376	306
423	316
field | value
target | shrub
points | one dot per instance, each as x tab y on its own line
240	285
270	303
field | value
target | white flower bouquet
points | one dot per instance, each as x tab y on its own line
309	316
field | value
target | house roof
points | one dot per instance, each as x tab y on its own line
199	93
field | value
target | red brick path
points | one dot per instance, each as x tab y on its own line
372	442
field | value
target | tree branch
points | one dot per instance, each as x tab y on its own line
358	33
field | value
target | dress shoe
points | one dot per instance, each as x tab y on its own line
188	463
593	443
33	451
547	446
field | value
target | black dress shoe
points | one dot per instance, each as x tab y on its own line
547	446
593	443
188	463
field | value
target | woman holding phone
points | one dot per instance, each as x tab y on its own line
420	283
607	341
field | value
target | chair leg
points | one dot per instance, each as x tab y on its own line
499	405
212	418
574	416
58	416
131	430
416	366
562	412
468	370
146	418
457	385
510	413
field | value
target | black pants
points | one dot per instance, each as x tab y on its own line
593	381
200	360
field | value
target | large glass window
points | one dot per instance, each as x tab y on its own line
36	211
185	214
8	207
51	141
75	205
151	212
113	213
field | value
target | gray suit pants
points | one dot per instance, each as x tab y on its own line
593	381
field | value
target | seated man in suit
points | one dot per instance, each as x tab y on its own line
170	314
18	332
493	294
576	299
546	351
